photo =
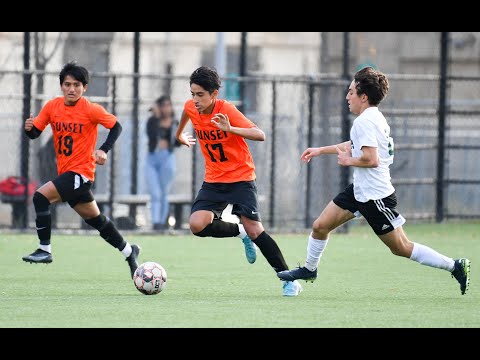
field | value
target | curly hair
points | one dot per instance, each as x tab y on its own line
372	83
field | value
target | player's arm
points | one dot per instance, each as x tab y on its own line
184	138
369	158
113	134
112	137
309	153
30	130
222	122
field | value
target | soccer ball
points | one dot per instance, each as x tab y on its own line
150	278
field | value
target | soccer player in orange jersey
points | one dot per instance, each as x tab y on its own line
221	130
74	121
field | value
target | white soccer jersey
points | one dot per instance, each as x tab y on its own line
371	129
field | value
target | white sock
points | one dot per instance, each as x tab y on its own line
127	250
243	233
314	252
427	256
47	248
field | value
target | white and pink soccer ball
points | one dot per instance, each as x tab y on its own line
150	278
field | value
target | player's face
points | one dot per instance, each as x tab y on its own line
165	109
72	90
355	102
202	99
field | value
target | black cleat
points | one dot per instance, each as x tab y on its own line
461	272
132	259
300	273
38	256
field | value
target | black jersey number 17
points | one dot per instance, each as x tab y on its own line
216	147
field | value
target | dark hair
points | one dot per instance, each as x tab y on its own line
76	71
372	83
207	78
162	100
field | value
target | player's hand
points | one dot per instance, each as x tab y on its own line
221	121
348	149
100	157
29	123
187	139
309	154
344	155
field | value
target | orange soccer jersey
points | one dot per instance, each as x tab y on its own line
227	156
74	132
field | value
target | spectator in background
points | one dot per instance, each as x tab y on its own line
161	164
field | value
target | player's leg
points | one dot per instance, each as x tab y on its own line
331	217
42	198
272	253
340	210
153	185
400	245
205	223
81	200
90	212
206	216
387	223
167	174
206	212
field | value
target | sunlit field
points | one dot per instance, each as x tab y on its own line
210	283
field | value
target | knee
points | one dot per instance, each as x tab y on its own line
196	226
254	231
40	202
97	222
320	228
400	250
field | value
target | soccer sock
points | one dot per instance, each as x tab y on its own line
219	229
43	220
314	252
271	251
108	231
47	248
242	232
427	256
127	250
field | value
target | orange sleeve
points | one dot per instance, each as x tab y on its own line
237	119
44	117
100	116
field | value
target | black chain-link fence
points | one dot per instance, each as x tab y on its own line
295	112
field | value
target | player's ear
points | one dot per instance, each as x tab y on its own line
85	88
215	93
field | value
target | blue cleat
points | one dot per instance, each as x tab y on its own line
250	249
300	273
291	288
461	272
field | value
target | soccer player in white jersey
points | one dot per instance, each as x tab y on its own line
370	152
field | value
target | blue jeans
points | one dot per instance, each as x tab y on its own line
160	172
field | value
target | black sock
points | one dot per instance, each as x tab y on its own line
219	229
108	231
271	251
43	220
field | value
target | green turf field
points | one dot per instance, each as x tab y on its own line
210	284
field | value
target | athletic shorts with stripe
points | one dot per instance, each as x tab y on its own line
74	188
215	197
381	214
